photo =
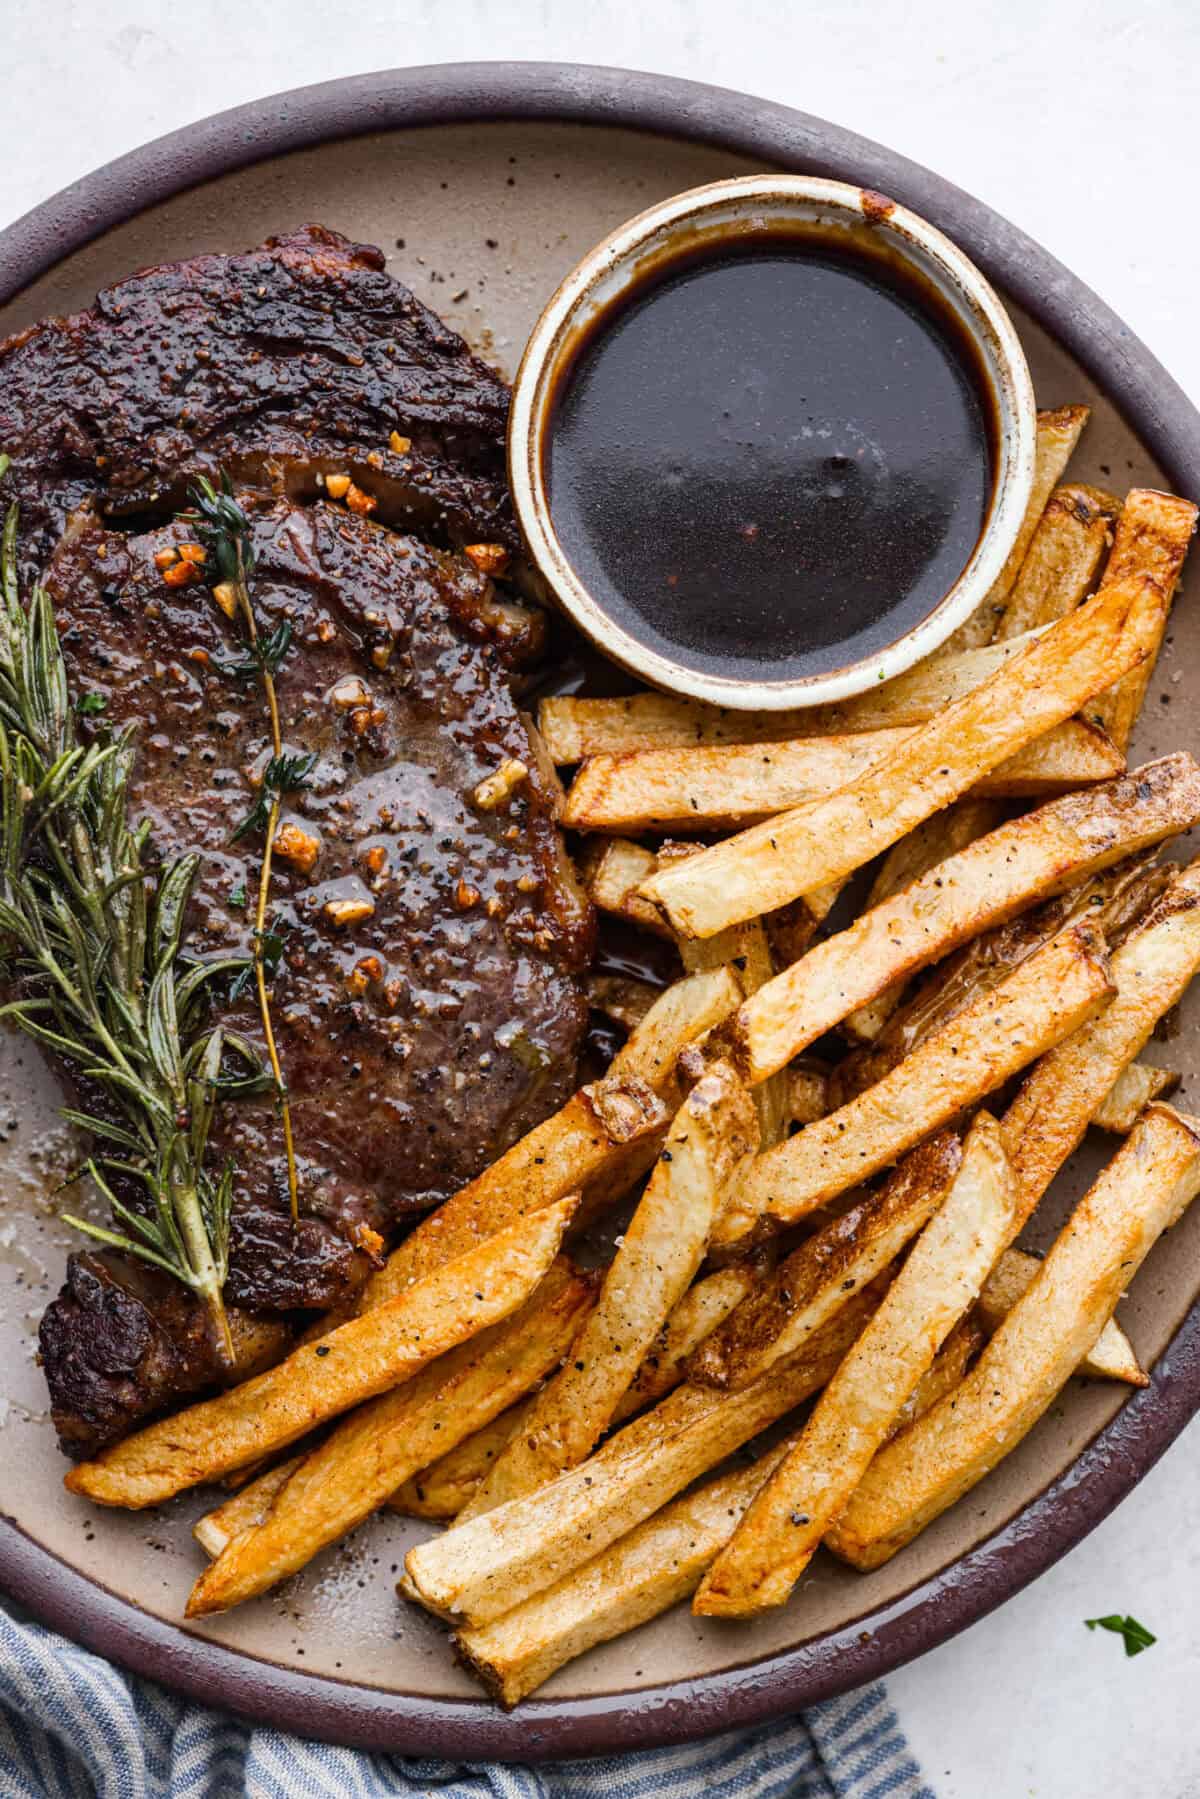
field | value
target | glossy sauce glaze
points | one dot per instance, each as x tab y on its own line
772	457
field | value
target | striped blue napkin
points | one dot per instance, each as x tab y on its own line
73	1726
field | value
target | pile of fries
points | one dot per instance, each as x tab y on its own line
837	1228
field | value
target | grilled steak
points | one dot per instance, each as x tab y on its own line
426	1000
294	361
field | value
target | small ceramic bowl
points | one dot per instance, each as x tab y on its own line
727	210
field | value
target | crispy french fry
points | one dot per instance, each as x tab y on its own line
1131	1093
612	870
1151	539
370	1453
808	1091
354	1362
938	838
1058	431
769	864
1041	1342
1043	1000
479	1570
982	886
637	1578
1111	1356
663	1245
1150	970
944	1372
781	1311
443	1489
657	721
246	1510
1062	561
941	1277
1113	900
570	1149
724	788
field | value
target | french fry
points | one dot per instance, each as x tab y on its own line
612	870
354	1362
443	1489
1150	970
570	1149
1043	1000
980	887
479	1570
944	1372
638	1577
1062	561
769	864
370	1453
939	838
1131	1093
1111	1356
663	1245
1152	539
941	1277
1058	431
808	1090
1113	900
740	784
247	1509
782	1312
1039	1345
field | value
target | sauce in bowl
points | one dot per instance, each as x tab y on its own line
771	454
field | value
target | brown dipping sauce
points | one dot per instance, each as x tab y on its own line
772	457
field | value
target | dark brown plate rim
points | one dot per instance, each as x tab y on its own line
1112	1464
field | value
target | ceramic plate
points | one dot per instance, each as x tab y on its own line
484	184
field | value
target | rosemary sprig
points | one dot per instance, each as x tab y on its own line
95	940
224	530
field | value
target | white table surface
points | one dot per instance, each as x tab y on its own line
1075	118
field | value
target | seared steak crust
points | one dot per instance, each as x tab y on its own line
297	359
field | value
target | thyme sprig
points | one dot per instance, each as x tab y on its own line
94	940
224	530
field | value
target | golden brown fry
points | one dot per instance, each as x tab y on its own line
1058	431
1064	556
782	1311
444	1488
724	788
658	721
612	870
1112	900
570	1149
477	1571
1111	1356
932	842
247	1509
1131	1093
637	1578
441	1490
1150	969
663	1245
980	887
769	864
1039	1345
944	1372
359	1359
941	1277
380	1445
1045	998
808	1091
1152	539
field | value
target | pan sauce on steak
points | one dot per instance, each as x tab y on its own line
426	1000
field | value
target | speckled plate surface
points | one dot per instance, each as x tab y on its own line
484	183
